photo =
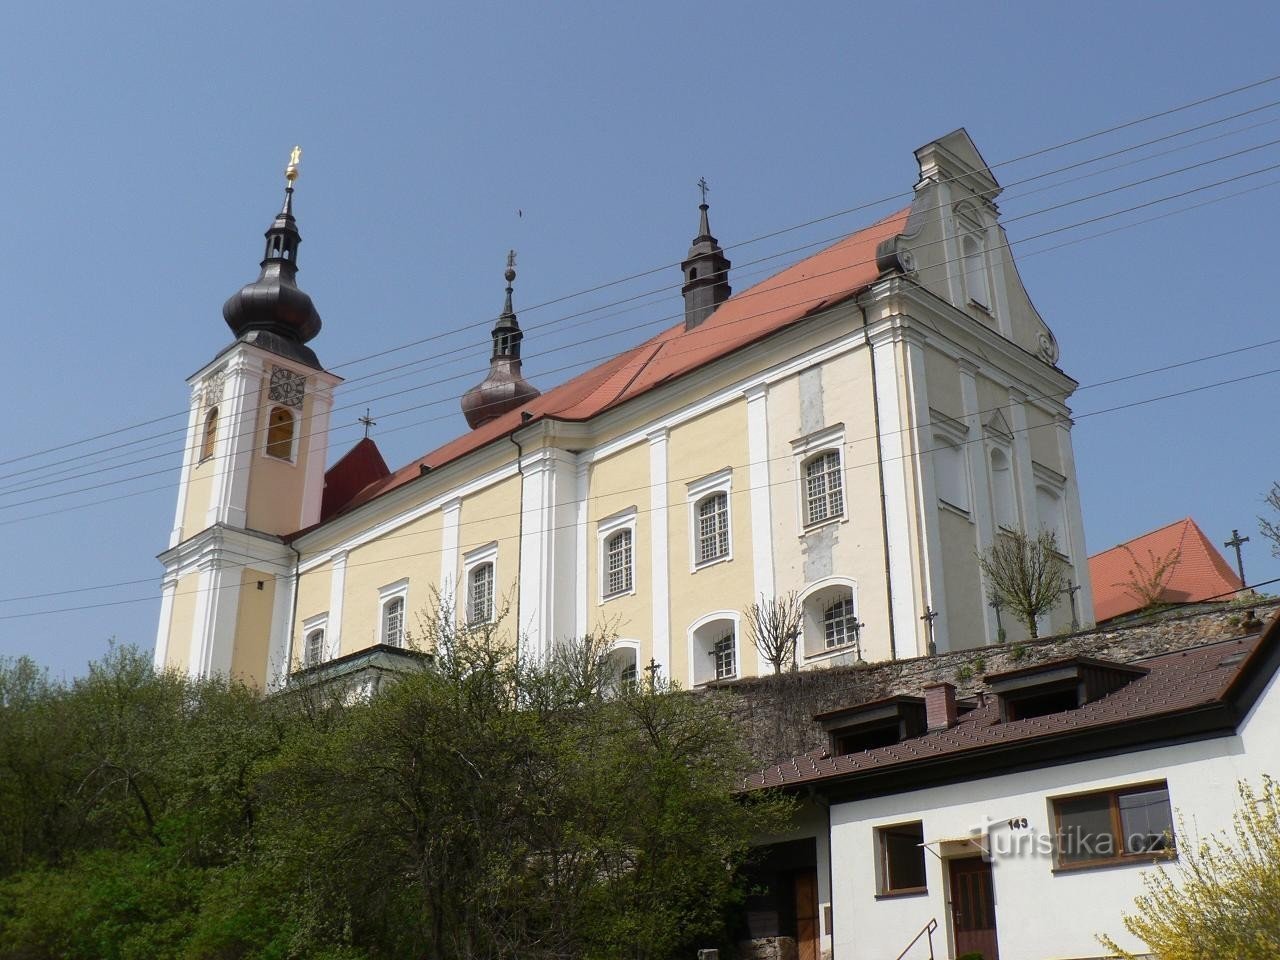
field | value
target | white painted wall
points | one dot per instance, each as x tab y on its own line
1039	914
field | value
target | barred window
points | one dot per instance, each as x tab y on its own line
713	527
627	678
313	650
840	623
480	594
618	567
823	488
723	656
393	622
210	434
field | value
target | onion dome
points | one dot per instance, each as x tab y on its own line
505	388
271	312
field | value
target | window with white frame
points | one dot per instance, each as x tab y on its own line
480	593
713	648
617	539
710	524
623	670
713	527
393	622
823	488
618	566
313	648
830	618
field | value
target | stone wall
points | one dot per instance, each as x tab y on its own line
776	712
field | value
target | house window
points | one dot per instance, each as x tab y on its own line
839	623
618	566
280	434
901	858
480	593
210	434
313	649
823	488
1133	823
393	622
713	527
725	661
713	648
830	618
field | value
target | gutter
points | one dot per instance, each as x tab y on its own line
884	509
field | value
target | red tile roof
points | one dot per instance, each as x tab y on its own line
1199	573
355	470
826	278
1175	683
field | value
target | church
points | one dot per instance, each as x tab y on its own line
852	430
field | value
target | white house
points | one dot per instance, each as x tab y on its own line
1019	824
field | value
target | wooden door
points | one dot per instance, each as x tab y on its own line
807	932
973	907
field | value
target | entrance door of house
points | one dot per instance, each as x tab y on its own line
973	907
807	933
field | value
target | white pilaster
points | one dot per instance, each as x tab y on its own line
167	590
337	593
581	494
935	594
237	422
547	548
280	647
213	638
188	461
979	484
1022	472
317	440
758	478
660	573
897	494
1075	547
450	514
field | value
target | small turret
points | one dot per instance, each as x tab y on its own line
505	388
706	271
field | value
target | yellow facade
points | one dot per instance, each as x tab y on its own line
253	628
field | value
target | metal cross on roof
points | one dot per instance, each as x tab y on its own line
704	187
368	422
1238	541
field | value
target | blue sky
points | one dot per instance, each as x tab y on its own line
144	147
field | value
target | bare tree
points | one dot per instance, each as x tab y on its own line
1146	582
1271	528
774	627
1025	574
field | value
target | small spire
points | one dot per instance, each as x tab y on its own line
510	274
706	269
505	388
290	175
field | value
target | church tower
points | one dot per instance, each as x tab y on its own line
706	271
252	471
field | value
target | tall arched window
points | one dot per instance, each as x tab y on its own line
713	648
975	269
480	594
313	651
823	488
393	622
713	527
1002	491
618	565
210	434
280	433
830	620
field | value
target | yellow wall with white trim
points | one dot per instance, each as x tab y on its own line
253	628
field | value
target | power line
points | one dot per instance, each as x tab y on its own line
560	299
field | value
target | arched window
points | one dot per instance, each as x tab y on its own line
1002	492
480	594
313	650
280	434
622	668
973	254
725	657
713	527
393	622
210	434
823	488
618	565
713	648
830	618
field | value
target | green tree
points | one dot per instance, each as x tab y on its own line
1222	896
1025	574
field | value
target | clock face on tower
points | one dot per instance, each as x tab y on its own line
287	387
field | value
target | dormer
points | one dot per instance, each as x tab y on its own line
880	723
1058	685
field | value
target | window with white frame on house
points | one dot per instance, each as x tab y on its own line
313	648
1110	826
900	851
713	527
713	648
480	593
839	623
823	487
974	260
830	618
618	563
393	622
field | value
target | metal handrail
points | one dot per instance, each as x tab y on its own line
928	928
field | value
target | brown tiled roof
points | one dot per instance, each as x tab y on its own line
1175	684
1200	572
828	277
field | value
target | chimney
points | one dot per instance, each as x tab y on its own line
940	706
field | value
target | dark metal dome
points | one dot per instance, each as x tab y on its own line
505	388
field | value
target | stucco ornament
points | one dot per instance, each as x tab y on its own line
1048	348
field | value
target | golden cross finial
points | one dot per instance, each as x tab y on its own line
511	258
291	171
